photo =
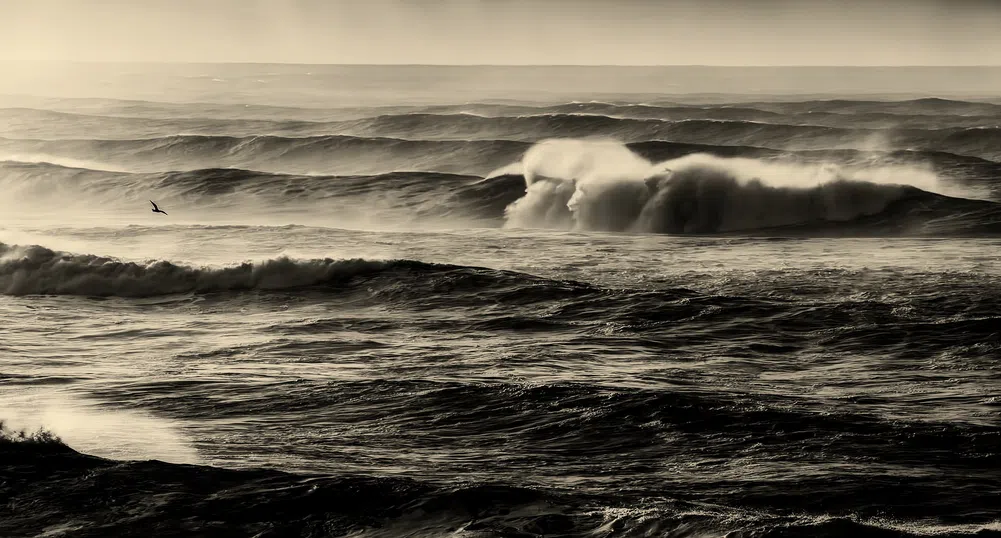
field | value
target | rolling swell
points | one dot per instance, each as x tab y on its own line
980	141
431	195
319	154
36	270
929	111
876	114
391	131
219	182
27	122
926	105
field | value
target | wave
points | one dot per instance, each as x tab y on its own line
169	110
768	110
36	270
36	188
588	185
672	109
46	481
924	105
979	178
810	129
574	184
779	133
367	155
975	142
28	123
333	154
219	181
466	141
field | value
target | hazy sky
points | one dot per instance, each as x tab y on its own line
609	32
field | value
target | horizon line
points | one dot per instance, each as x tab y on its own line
358	64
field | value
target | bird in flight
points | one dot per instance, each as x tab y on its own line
157	209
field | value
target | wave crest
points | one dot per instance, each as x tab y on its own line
603	186
36	270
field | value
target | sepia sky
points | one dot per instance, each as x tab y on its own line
518	32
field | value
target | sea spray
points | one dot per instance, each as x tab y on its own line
602	185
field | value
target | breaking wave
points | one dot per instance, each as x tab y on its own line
591	185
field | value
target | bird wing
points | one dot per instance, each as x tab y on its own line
154	205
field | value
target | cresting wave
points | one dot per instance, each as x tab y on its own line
604	186
36	270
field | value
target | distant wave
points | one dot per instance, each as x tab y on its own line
765	110
36	186
333	154
777	133
975	135
925	105
341	154
662	109
41	123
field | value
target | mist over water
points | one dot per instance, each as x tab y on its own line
501	301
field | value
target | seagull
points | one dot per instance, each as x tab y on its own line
156	209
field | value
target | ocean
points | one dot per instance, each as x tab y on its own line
499	301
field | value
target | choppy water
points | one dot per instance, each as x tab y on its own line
374	314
